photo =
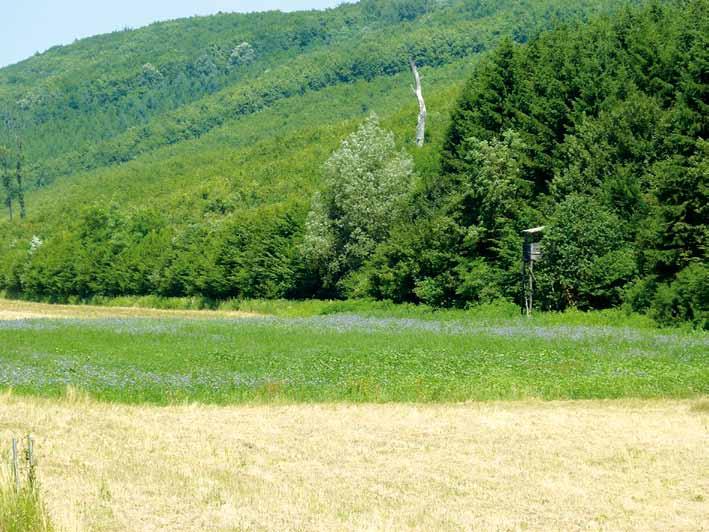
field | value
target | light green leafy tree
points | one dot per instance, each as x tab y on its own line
366	183
495	188
242	54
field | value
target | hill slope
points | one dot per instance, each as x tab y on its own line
148	151
123	94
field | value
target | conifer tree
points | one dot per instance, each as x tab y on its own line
6	178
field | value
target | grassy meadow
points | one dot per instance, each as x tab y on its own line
264	415
400	355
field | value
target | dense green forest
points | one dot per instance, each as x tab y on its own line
271	155
598	131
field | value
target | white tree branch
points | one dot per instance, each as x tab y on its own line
418	91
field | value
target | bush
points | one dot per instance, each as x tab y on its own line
685	299
586	261
21	508
639	295
22	511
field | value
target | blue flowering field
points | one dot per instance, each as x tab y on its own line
348	357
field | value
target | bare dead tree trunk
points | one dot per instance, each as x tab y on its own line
418	91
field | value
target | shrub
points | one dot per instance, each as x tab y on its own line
22	510
685	299
21	506
639	295
586	261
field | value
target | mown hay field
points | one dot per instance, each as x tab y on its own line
528	465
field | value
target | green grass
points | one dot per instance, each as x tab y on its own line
22	510
367	357
293	308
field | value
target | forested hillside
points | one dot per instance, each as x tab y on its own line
117	96
204	156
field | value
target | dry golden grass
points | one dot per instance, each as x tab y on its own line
18	310
627	465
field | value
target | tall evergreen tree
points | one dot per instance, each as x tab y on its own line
20	191
6	178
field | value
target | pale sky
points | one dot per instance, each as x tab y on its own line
29	26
